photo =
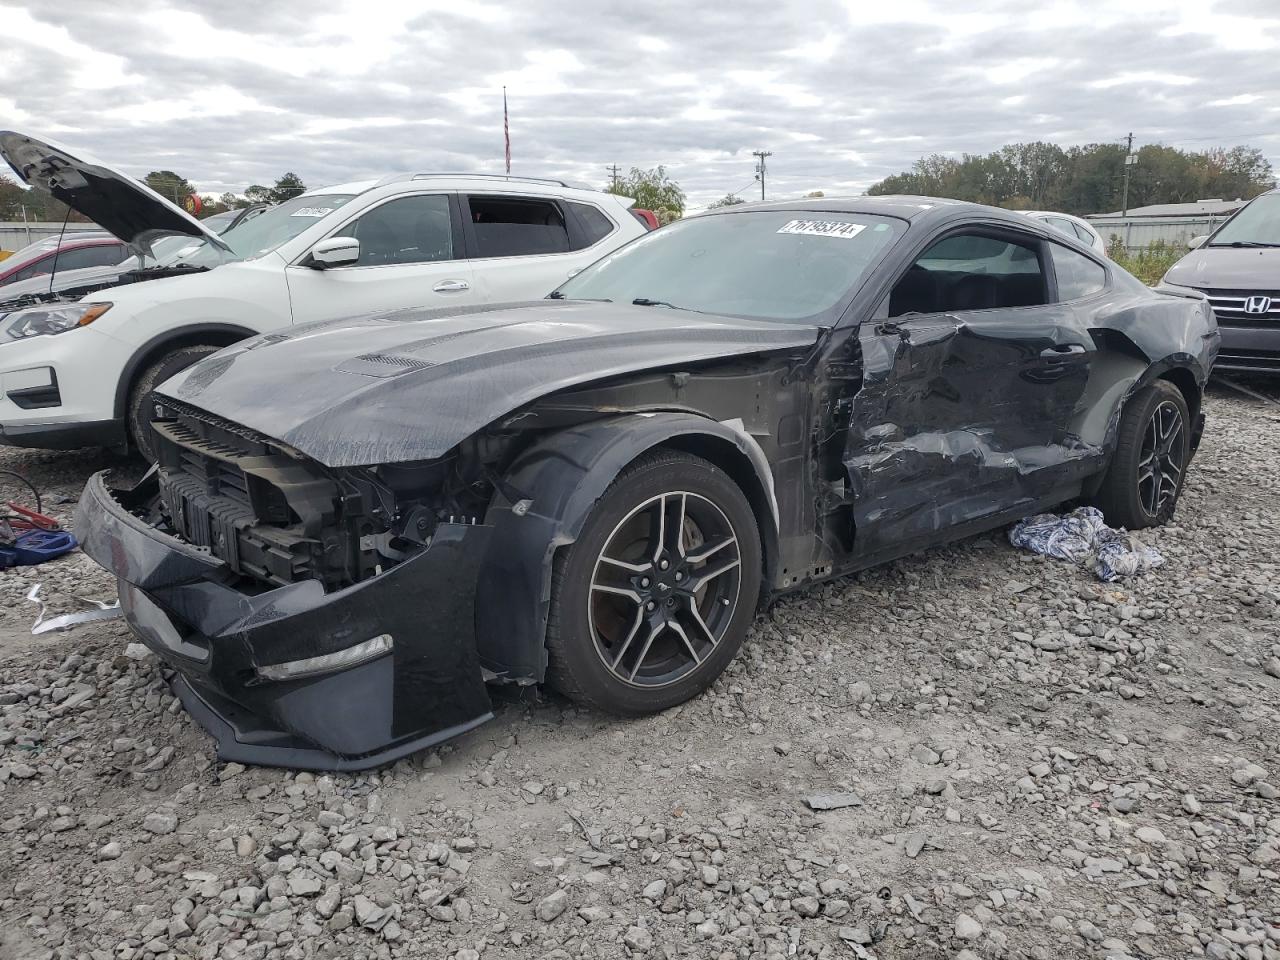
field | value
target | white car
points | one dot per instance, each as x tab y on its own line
1072	226
79	372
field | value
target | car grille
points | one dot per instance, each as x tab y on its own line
242	497
1230	306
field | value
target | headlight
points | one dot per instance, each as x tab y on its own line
57	318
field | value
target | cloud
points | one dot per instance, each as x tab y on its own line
842	93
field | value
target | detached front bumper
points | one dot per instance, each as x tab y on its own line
184	604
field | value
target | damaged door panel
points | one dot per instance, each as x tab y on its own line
961	417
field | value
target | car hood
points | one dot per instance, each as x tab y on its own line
411	385
1228	268
119	204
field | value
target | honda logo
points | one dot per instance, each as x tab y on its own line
1256	305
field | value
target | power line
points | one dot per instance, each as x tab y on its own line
613	173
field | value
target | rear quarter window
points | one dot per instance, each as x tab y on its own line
595	225
1078	276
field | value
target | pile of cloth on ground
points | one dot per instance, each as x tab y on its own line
1082	536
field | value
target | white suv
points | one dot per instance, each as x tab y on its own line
79	371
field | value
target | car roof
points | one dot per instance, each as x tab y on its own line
902	206
465	181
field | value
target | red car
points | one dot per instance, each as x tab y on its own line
37	259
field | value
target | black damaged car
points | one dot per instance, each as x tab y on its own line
353	526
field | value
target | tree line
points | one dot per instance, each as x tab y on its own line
1084	179
15	199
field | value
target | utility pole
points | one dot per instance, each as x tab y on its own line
613	172
761	154
1129	161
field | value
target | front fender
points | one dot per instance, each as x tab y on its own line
555	484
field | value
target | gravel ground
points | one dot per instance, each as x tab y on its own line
1035	765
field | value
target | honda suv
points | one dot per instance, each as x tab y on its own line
79	371
1238	268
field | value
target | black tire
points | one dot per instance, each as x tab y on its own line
589	622
1148	469
140	395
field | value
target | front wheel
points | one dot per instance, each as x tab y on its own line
653	600
140	402
1153	449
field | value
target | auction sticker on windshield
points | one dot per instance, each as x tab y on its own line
823	228
312	212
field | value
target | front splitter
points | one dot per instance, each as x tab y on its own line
241	738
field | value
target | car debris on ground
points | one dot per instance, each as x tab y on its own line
1082	536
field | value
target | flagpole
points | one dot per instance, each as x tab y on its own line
506	131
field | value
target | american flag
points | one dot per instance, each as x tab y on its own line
506	130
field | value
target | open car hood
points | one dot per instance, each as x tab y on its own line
119	204
411	385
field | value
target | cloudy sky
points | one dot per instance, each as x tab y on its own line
237	91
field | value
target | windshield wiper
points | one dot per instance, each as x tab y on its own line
1245	243
646	302
557	295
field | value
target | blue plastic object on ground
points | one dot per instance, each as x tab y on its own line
36	546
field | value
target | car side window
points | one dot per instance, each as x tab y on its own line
969	271
1061	225
595	225
105	255
40	268
415	229
517	226
1078	276
1083	234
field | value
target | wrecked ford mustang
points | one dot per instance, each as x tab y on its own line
353	526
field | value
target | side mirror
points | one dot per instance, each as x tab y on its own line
1197	242
334	252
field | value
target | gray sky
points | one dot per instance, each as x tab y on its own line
234	92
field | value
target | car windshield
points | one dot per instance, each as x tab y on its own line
766	264
251	237
1258	224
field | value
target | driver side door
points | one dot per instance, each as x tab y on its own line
971	376
411	255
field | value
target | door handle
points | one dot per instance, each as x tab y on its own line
451	286
1061	350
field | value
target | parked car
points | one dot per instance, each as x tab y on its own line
647	217
355	523
72	251
1238	268
165	251
1072	226
79	372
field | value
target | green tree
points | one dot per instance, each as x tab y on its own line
652	190
15	200
1084	179
231	201
256	193
289	185
728	200
169	185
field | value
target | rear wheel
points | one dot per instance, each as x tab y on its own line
653	600
140	402
1153	448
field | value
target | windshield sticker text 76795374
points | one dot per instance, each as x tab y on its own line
823	228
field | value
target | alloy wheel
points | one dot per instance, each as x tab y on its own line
1160	461
664	589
